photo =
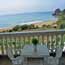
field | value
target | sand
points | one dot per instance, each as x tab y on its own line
35	23
45	23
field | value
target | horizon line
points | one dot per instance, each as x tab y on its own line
23	13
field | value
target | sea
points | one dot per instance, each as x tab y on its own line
12	20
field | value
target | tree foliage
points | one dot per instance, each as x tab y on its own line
61	18
34	41
57	12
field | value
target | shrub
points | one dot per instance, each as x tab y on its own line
34	41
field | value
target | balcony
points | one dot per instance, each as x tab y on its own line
16	40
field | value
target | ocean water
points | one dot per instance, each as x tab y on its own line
15	19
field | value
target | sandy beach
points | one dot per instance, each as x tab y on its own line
4	29
35	23
39	24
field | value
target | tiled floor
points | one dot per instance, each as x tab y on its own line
62	61
4	60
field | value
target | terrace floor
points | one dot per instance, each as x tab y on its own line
4	60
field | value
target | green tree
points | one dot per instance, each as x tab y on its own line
63	11
24	27
32	26
16	28
9	30
61	18
57	12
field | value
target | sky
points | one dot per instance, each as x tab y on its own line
22	6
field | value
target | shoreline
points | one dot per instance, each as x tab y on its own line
50	22
35	23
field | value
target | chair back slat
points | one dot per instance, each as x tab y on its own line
10	54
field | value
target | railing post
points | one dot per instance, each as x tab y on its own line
42	39
2	47
19	39
62	43
15	46
29	39
48	42
52	44
38	39
56	40
24	40
10	43
6	45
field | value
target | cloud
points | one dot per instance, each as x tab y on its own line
12	6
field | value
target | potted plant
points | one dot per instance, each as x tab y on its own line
35	42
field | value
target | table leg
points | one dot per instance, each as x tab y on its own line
45	60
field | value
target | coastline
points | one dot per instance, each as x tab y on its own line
35	23
49	22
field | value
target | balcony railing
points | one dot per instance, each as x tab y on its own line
16	40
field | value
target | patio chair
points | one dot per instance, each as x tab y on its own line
54	60
51	61
59	51
15	61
